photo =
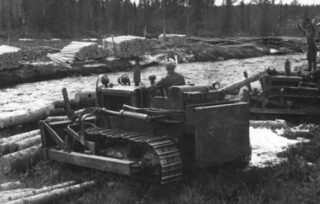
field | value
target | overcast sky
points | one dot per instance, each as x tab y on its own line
310	2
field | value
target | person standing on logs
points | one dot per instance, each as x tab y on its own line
308	30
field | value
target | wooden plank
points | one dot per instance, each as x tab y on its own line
108	164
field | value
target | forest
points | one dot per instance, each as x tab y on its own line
97	18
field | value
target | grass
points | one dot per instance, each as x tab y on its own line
295	181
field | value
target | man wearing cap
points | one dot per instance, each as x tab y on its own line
172	78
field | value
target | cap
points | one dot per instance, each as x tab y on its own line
171	64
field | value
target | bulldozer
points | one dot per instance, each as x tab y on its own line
151	135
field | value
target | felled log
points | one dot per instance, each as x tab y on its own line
54	194
15	146
74	105
270	124
19	137
25	118
56	118
233	88
56	112
10	185
87	98
7	193
31	192
20	159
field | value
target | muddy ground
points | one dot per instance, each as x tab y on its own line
273	183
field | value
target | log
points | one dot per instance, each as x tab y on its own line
54	194
74	105
10	147
20	159
19	137
270	124
26	118
231	89
87	98
7	193
56	112
56	118
10	185
31	192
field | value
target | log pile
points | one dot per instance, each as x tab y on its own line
19	151
92	52
126	46
9	60
11	57
42	195
77	51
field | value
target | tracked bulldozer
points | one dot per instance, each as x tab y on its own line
135	131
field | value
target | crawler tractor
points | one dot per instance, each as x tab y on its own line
291	96
135	131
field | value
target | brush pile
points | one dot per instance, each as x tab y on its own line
16	195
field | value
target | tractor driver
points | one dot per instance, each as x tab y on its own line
172	79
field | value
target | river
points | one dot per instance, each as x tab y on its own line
30	96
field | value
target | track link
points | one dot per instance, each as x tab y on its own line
169	158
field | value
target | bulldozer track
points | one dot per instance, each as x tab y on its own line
169	157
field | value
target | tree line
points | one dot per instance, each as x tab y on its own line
95	18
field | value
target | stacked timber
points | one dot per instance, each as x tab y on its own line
91	52
43	195
68	54
126	46
9	57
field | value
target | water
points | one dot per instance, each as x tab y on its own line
31	96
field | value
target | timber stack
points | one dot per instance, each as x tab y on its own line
126	46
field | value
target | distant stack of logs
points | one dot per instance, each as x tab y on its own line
10	60
132	48
92	52
17	195
80	51
127	46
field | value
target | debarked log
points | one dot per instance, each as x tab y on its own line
20	159
87	98
31	192
30	117
54	194
234	88
19	137
10	185
15	146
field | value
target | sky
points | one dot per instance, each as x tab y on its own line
310	2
